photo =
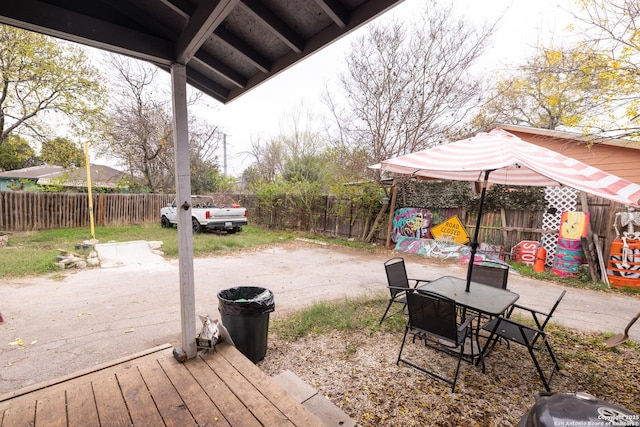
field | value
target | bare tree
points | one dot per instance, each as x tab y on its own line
139	133
409	84
297	150
268	159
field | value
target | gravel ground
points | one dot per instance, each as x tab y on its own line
357	371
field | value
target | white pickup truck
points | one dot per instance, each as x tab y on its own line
206	216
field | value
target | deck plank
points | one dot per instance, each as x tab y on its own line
81	405
254	400
173	410
112	410
265	384
232	408
204	411
21	414
222	388
142	408
51	409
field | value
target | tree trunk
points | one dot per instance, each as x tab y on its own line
381	212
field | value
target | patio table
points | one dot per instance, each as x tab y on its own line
481	299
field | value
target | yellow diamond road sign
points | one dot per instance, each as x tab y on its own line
452	230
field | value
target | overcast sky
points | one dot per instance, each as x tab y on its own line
263	112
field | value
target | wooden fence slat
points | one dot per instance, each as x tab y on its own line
23	211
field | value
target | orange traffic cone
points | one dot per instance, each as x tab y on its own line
541	258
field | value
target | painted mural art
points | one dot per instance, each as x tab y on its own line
432	248
492	251
570	253
411	222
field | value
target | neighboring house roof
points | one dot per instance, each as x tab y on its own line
585	139
33	172
617	156
101	175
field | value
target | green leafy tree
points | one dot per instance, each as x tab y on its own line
613	27
16	153
42	80
62	152
557	89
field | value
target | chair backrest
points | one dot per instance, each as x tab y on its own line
550	314
396	275
433	314
489	275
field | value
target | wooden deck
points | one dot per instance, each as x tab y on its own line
221	388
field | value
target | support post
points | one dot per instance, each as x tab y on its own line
183	199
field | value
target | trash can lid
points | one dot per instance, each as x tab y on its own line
246	300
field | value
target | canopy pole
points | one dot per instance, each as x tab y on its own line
476	232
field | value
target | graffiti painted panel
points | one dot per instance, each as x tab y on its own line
574	225
495	251
431	248
411	222
569	253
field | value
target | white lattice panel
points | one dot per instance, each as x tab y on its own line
562	199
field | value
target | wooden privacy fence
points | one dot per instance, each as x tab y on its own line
23	211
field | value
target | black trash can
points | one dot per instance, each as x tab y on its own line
244	311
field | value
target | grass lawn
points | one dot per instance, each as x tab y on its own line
35	252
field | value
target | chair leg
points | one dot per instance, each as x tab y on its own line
460	354
386	311
480	351
426	371
539	369
553	358
406	331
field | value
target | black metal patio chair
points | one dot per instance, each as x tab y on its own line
533	337
398	283
433	318
495	276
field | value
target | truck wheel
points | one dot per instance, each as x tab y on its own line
164	221
196	227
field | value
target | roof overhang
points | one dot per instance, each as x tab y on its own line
228	46
578	137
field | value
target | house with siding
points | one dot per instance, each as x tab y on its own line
616	156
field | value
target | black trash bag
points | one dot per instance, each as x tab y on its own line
246	301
